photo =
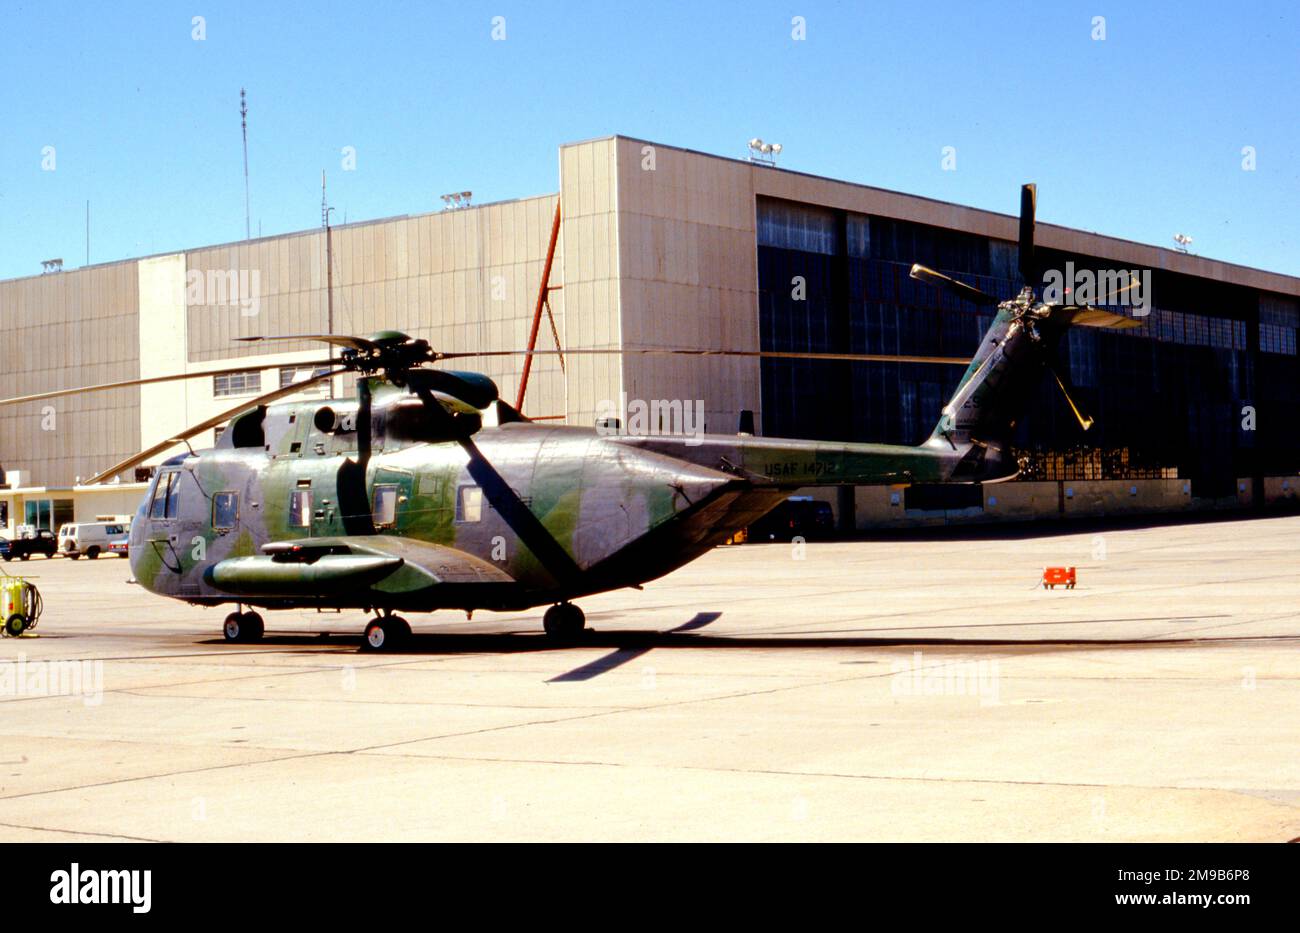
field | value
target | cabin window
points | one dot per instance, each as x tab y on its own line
225	510
385	511
300	508
469	504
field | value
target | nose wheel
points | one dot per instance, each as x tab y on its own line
564	621
243	626
385	634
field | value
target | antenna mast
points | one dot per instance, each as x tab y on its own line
243	122
329	268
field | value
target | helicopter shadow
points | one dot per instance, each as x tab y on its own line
626	645
623	654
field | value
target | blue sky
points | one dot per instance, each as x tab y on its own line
1138	136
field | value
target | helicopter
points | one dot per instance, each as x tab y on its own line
427	491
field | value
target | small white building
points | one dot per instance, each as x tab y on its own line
53	506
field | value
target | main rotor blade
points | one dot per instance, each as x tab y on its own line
338	340
245	405
1028	210
970	292
753	354
153	380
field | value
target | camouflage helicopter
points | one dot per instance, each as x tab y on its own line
427	491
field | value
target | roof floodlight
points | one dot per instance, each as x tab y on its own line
763	153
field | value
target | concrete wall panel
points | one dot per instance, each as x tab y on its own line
689	278
67	330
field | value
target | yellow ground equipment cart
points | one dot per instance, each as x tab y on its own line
20	604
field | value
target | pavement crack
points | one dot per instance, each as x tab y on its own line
81	832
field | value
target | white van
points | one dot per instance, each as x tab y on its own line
90	538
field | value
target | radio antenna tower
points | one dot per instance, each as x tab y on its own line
324	204
329	268
243	121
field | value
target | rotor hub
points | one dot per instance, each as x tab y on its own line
392	353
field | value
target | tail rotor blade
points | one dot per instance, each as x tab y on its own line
1089	316
969	292
1028	208
1063	383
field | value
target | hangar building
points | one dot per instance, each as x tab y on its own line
658	246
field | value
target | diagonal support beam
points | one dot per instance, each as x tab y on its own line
542	290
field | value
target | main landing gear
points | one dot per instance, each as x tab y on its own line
385	633
564	621
243	626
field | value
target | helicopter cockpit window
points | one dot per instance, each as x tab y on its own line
469	504
159	502
174	497
300	508
166	496
385	511
225	510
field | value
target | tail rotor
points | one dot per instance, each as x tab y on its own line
1028	260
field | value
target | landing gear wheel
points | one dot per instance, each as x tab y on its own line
256	629
15	625
386	634
243	626
564	621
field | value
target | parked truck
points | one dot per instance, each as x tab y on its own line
41	541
